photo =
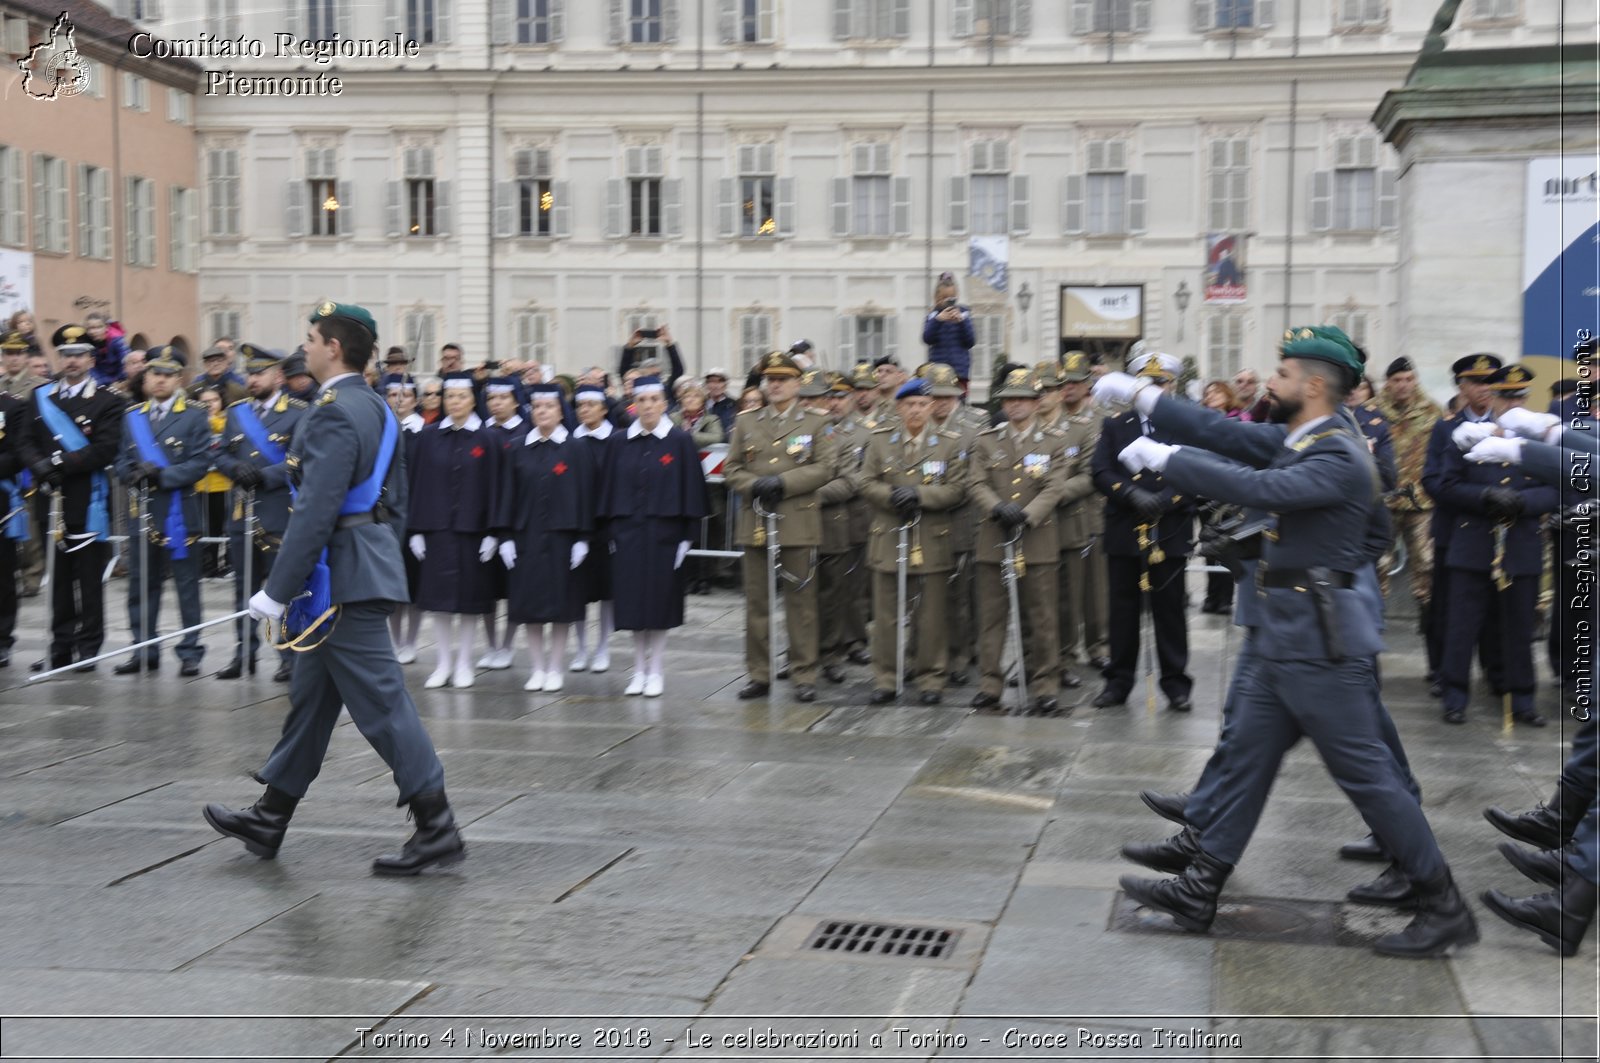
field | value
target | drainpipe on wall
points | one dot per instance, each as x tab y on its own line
1288	228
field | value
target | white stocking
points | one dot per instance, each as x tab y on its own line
608	624
443	624
535	646
558	647
658	651
641	653
413	617
490	642
464	645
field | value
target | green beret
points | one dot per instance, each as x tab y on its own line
1323	343
348	311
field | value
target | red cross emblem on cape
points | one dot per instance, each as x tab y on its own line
559	468
666	459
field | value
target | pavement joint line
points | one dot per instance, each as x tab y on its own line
624	742
118	801
160	863
474	819
191	961
63	760
420	994
591	876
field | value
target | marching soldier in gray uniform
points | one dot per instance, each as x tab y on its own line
255	441
166	449
912	474
1081	515
780	457
953	417
1016	479
350	486
829	394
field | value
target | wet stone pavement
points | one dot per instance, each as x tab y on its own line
644	877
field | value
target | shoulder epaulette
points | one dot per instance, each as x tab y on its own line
991	431
327	396
883	428
297	404
237	402
741	413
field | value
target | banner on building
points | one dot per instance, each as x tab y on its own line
1224	279
16	282
988	258
1102	313
1561	255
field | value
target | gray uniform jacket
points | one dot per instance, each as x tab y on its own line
335	448
185	438
272	497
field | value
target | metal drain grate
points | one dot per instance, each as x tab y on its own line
883	939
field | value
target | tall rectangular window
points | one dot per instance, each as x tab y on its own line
644	22
990	331
1228	184
757	189
871	190
419	327
51	185
179	107
94	212
422	23
419	192
990	188
13	199
533	22
1235	14
870	338
755	337
1354	323
644	190
755	22
322	190
322	19
535	193
1355	193
135	92
222	191
225	321
532	329
139	231
1224	340
222	20
183	223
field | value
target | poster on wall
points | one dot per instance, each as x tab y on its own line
1095	312
1224	279
16	281
1561	256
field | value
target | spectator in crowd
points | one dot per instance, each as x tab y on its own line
213	490
217	372
22	322
752	399
296	380
693	417
720	402
649	345
39	366
451	360
1247	393
948	330
431	404
16	379
395	360
131	386
110	347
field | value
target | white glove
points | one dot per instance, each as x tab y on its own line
1496	449
1118	388
486	548
683	552
580	550
508	553
1470	433
1145	453
1527	424
418	547
264	608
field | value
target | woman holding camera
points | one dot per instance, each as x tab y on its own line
948	329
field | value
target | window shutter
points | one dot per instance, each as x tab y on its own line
41	206
152	10
902	206
1321	201
346	17
391	17
291	22
501	29
443	217
130	222
1141	16
505	209
1202	16
1388	200
616	23
441	21
961	19
669	21
841	206
746	159
846	332
614	199
728	21
1082	17
347	208
902	19
891	335
880	158
85	246
785	217
958	205
1116	154
1266	13
561	219
1021	209
999	156
295	210
1217	201
672	207
1239	200
1136	203
558	21
1096	155
767	158
174	227
842	12
727	207
395	221
1072	204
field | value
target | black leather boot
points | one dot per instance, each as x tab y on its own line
1443	921
1367	848
1167	806
435	841
234	669
1545	826
1560	917
1174	855
1191	898
1545	865
1389	890
261	826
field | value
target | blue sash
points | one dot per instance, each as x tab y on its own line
144	441
257	433
67	433
308	611
15	521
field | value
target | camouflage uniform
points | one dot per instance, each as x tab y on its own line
1410	508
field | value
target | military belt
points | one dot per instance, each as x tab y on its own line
1299	577
355	520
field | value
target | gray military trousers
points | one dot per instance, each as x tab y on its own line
354	668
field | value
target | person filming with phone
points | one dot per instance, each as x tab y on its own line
652	343
948	329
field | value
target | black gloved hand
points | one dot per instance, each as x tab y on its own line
147	473
45	471
1145	505
905	500
248	476
1503	503
769	489
1009	514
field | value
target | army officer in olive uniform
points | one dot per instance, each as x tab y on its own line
1017	476
913	474
780	456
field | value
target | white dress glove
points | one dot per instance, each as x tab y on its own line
418	547
1118	388
683	552
508	553
1468	434
580	550
1496	449
486	548
1145	453
264	608
1527	424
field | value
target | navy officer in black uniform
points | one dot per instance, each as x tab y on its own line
255	441
344	448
